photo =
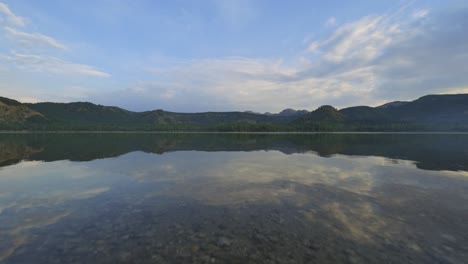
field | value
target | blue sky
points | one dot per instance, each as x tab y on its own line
259	55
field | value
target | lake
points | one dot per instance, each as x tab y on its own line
233	198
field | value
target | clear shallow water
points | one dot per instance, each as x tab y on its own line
203	198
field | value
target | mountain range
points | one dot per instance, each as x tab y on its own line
428	113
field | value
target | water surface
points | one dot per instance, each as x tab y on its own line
237	198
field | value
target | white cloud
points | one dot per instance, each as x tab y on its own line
34	39
431	60
362	39
330	22
398	56
11	18
421	13
239	84
42	63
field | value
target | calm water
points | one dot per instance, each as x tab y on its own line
237	198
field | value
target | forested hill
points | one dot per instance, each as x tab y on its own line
428	113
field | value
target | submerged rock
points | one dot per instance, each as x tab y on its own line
223	242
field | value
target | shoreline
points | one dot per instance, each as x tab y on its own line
236	132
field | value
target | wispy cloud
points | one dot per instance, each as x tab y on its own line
397	55
43	63
420	13
34	39
362	39
235	83
10	17
34	65
330	22
430	60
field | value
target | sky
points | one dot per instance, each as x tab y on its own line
232	55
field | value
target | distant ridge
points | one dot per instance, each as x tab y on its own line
392	104
428	113
292	112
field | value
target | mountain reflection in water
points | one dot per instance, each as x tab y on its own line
237	198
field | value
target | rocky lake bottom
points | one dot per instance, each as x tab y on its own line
244	200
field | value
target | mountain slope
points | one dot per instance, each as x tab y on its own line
450	108
365	114
325	113
82	112
13	112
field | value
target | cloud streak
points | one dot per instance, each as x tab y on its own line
431	60
49	64
361	40
34	39
11	18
